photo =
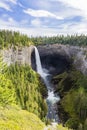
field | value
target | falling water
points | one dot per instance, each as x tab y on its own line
51	99
38	62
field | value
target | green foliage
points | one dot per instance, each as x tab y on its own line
13	118
6	91
9	38
61	39
72	86
60	127
85	125
28	89
43	90
72	123
22	86
75	103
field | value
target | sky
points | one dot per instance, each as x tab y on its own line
44	17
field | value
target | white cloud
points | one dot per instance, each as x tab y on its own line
64	29
81	5
20	5
24	21
43	4
4	6
36	22
72	7
10	20
12	1
41	13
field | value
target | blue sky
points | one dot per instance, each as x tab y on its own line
44	17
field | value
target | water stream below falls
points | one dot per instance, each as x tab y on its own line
52	99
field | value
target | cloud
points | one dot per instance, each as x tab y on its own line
24	21
43	4
81	5
36	22
5	6
12	1
21	5
36	30
70	8
41	13
10	20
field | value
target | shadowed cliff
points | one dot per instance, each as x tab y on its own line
57	58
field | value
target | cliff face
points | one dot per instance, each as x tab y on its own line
60	57
22	55
55	58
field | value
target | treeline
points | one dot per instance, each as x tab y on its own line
72	87
61	39
9	38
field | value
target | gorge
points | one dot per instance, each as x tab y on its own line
56	67
58	60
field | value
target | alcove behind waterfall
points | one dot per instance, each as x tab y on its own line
54	63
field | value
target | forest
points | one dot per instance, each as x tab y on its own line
79	40
9	38
72	87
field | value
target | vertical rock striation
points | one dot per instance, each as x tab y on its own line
22	55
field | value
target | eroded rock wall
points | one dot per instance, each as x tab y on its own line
22	55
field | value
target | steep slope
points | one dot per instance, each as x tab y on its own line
14	118
20	85
29	90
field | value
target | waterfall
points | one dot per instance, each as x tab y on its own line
51	99
38	62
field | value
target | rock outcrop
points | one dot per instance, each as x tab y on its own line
22	55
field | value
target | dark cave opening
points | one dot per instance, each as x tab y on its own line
54	63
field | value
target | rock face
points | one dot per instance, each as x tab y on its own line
57	58
22	55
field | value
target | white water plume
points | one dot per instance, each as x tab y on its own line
38	64
52	98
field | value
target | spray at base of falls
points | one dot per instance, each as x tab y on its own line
51	99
